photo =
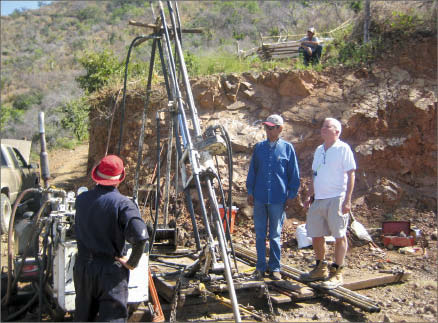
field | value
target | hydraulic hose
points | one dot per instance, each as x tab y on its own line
122	112
42	278
188	254
230	168
26	251
23	309
143	120
169	264
5	299
227	221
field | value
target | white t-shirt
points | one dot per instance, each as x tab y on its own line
330	170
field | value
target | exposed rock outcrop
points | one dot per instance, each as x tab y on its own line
388	112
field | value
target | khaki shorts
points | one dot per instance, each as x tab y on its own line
325	218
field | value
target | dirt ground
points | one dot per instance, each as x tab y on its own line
412	301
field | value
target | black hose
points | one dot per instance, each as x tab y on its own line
174	256
23	309
5	299
230	168
226	221
122	112
35	233
143	121
169	264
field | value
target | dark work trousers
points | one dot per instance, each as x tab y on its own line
314	58
101	290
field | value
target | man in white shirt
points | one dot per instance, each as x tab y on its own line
310	47
330	203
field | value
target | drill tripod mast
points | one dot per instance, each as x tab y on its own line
194	160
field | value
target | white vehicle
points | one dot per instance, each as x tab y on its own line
17	174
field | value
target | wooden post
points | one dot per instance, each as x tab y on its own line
366	22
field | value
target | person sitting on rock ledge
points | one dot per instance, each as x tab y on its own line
310	48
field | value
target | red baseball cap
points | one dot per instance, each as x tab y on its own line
109	171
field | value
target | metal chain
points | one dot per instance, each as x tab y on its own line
271	308
175	298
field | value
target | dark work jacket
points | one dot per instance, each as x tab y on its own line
104	220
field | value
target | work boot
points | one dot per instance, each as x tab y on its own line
258	274
335	278
320	272
275	275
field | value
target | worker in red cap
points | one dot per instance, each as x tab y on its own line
104	221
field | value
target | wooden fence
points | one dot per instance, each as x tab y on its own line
278	47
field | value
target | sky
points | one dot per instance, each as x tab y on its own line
8	7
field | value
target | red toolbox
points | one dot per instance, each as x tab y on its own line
392	234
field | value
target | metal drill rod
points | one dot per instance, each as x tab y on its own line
191	102
193	154
186	190
227	266
168	167
341	293
44	157
176	121
194	162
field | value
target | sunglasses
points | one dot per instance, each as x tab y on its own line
271	127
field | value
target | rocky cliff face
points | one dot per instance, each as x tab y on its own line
388	113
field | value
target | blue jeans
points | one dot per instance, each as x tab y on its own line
274	215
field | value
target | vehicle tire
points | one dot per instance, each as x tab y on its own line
5	213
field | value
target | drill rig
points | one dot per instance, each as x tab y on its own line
195	170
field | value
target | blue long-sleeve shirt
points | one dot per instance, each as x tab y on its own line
273	175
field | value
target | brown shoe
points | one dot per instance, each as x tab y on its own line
320	272
275	275
335	279
258	274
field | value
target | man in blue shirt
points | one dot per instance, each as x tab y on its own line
104	220
273	181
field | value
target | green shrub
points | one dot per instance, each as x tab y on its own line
192	63
403	22
75	118
91	14
100	68
66	143
26	100
9	115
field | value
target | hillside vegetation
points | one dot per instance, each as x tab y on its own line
54	57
